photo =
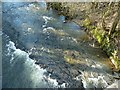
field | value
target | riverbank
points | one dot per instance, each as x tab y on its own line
97	20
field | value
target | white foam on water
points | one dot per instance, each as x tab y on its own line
36	73
47	19
90	81
11	46
45	30
114	85
1	33
54	82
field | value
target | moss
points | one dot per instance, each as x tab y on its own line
61	9
86	22
71	57
106	42
70	60
58	32
54	5
116	62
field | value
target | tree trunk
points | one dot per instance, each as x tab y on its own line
116	20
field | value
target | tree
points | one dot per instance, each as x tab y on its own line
116	21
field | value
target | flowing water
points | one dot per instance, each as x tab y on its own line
41	51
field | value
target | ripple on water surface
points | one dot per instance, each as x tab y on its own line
23	72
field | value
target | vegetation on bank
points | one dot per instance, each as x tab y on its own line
100	20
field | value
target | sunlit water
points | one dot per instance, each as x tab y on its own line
29	29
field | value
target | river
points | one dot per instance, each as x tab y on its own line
39	50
